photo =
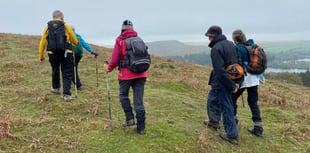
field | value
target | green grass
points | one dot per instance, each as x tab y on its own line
277	47
32	119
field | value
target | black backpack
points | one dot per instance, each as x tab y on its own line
138	59
56	39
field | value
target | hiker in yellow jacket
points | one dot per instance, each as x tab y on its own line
58	38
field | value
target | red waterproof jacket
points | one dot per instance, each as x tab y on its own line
119	50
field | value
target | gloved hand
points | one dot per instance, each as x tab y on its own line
95	53
106	68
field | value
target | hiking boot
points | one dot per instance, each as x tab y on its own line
67	98
257	131
128	123
230	140
79	88
142	132
55	91
211	124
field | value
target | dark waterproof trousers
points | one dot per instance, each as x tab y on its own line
219	102
78	82
252	101
58	61
138	92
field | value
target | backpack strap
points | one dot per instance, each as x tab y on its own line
123	61
123	47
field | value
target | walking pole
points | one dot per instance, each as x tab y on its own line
74	71
242	100
97	71
109	105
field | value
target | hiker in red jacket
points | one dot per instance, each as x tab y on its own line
128	79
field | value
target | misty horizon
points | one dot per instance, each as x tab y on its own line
201	39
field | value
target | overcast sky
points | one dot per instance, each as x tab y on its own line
99	21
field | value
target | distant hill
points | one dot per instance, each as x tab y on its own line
286	55
174	48
190	52
286	46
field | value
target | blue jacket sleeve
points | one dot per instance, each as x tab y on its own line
243	54
84	44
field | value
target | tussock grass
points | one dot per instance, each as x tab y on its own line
32	119
5	126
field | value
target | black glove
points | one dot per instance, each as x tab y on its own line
95	53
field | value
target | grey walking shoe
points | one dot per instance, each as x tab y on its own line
257	131
67	98
55	91
230	140
128	123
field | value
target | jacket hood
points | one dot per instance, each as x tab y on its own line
127	34
250	42
217	39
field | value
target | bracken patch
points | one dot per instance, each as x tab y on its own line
17	64
2	53
9	78
5	127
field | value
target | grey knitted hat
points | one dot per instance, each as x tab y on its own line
127	25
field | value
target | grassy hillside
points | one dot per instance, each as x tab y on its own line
32	119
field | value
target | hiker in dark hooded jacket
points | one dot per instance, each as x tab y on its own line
219	101
129	79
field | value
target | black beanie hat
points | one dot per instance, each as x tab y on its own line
214	31
127	25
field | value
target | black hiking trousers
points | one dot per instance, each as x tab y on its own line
252	101
77	81
138	92
65	63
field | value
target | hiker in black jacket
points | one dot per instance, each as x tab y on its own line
219	101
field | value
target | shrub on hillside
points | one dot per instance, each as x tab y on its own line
305	77
286	77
